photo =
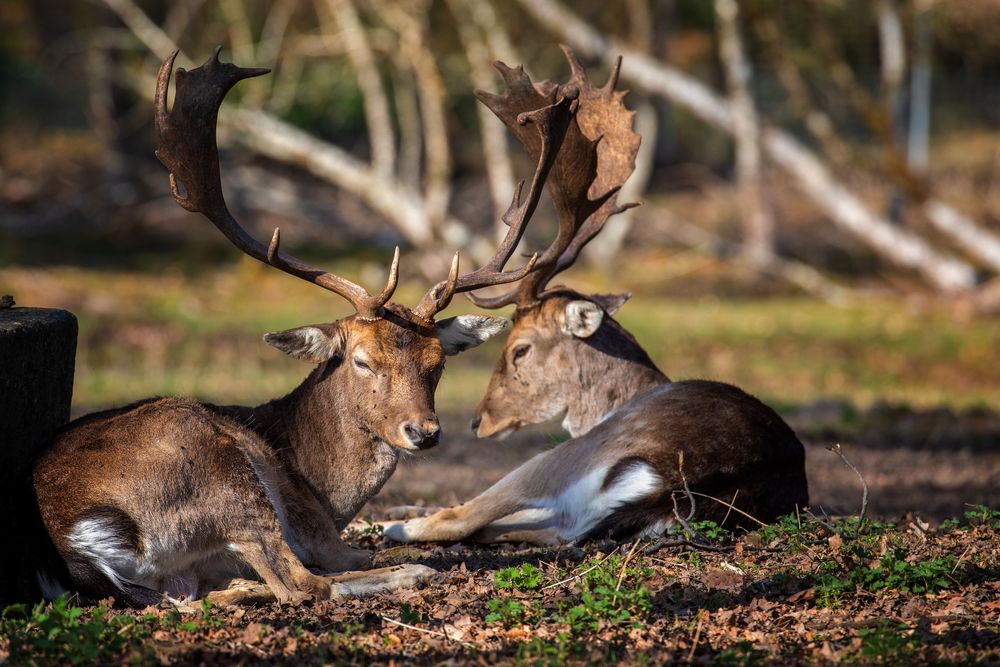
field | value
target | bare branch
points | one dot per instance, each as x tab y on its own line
605	247
411	140
272	35
241	43
976	241
758	218
426	631
499	171
816	121
892	52
142	27
492	28
270	136
381	137
411	26
685	521
179	16
730	507
580	574
805	167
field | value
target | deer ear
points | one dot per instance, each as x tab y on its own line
610	302
467	331
315	343
582	318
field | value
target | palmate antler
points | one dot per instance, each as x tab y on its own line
187	147
597	157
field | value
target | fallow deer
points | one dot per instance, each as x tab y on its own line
637	437
166	494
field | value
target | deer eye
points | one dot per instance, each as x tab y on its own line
519	351
362	365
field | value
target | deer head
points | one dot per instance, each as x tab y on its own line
387	357
559	336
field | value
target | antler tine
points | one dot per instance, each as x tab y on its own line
587	232
187	148
597	165
550	123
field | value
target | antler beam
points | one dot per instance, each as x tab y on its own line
545	129
597	157
187	147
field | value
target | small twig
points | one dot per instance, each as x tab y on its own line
729	508
429	632
697	635
664	543
836	449
734	508
621	575
961	558
577	576
826	524
685	523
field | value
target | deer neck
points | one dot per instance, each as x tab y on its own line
320	439
613	369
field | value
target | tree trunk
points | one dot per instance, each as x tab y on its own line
37	353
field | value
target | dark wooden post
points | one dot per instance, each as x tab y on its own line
37	354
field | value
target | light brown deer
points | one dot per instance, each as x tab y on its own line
636	434
167	494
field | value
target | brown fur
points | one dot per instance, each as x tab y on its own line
582	379
177	484
626	417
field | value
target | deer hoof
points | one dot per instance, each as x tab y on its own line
400	531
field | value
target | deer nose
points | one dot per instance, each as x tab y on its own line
474	424
423	436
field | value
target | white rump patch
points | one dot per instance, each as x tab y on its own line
98	541
583	504
50	587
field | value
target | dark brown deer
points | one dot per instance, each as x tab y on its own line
636	434
166	494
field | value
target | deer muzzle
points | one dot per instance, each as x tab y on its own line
422	435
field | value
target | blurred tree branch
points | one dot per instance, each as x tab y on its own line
605	248
406	112
900	169
381	137
416	215
479	53
755	210
806	168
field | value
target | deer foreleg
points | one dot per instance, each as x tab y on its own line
518	491
317	536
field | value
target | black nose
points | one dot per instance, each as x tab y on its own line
423	437
474	424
